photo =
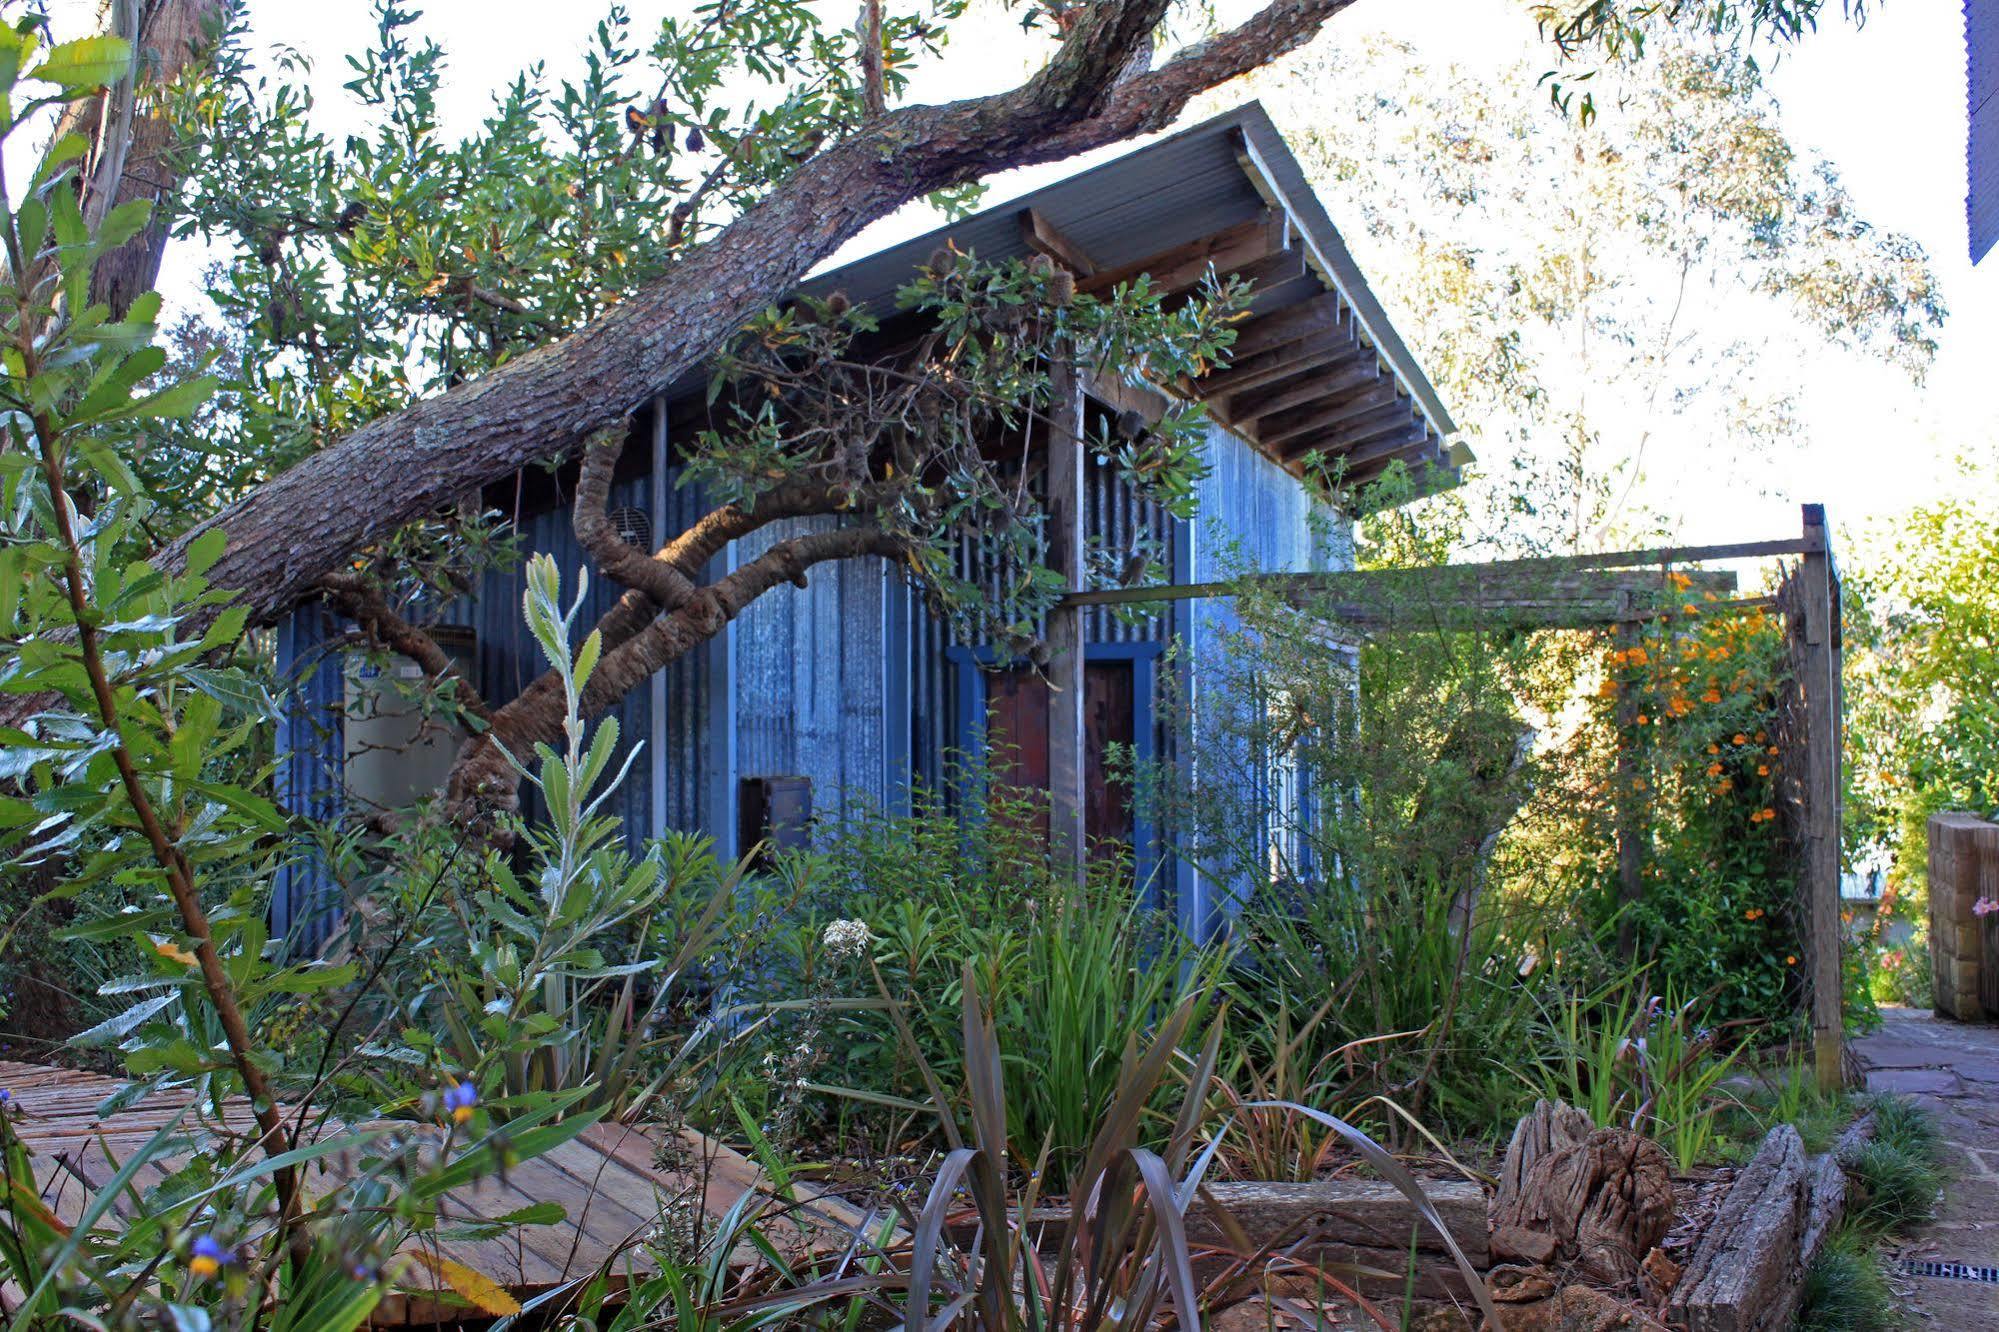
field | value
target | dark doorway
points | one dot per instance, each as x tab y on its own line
1017	739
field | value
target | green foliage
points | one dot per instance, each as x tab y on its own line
1117	1252
1641	1061
565	969
1071	975
1894	1176
130	779
1794	1099
1684	741
1846	1290
1922	610
1704	251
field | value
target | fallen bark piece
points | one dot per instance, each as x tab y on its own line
1657	1276
1512	1283
1579	1309
1744	1272
1517	1244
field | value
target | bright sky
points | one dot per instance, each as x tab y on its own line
1885	104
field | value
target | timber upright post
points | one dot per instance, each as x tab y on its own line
1624	798
1820	687
1066	537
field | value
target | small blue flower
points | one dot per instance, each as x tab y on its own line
209	1257
459	1100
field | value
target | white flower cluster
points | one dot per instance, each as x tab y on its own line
846	938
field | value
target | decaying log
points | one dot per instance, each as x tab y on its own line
1603	1197
1744	1273
1351	1221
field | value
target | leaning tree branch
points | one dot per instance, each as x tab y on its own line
288	533
659	580
484	778
363	602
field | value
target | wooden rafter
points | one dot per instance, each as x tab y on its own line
1322	314
1282	363
1326	419
1183	266
1316	389
1042	236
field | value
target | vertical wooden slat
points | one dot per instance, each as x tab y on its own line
1066	755
1624	799
1820	686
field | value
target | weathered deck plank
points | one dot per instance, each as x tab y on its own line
607	1180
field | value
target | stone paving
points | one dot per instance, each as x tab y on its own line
1953	1069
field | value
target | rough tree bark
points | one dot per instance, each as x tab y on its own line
663	615
288	534
174	37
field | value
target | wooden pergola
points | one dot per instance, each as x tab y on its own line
1620	591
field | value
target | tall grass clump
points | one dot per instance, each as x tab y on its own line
1894	1177
1846	1290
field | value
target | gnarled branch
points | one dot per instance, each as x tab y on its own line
364	603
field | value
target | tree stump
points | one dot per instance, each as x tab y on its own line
1595	1200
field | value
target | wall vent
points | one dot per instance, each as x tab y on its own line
632	526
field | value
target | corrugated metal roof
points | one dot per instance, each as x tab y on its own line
1222	173
1981	203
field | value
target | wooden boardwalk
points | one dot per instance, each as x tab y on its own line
606	1179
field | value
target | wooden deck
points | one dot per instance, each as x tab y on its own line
606	1180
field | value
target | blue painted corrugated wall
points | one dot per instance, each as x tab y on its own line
1254	518
810	678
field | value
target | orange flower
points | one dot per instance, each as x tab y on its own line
1727	784
1741	739
1790	961
1769	813
1754	913
1714	749
1762	770
1642	719
1771	750
1713	695
1714	770
1760	737
1680	580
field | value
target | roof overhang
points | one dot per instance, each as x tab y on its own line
1320	381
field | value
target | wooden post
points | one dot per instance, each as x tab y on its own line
1624	798
1819	683
1067	762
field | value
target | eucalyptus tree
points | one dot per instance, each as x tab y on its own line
1607	299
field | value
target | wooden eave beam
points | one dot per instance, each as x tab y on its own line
1413	444
1309	389
1363	403
1321	314
1183	266
1042	236
1252	372
1341	428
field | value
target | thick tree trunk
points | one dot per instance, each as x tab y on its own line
289	533
175	36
